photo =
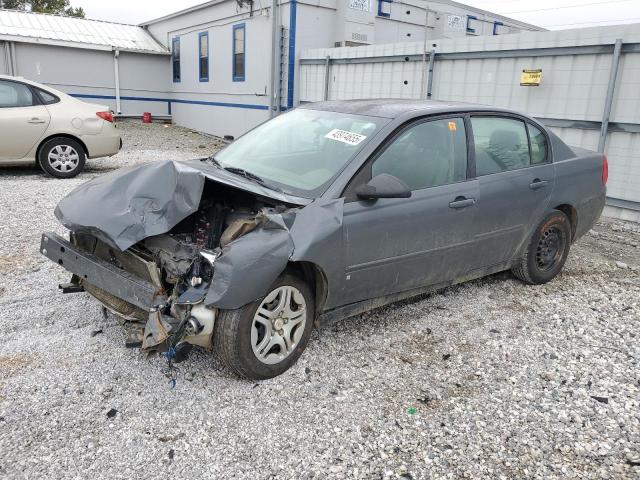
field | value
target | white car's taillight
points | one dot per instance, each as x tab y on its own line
108	116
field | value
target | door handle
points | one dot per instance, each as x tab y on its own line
36	120
461	202
537	183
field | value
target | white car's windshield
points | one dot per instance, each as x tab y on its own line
301	151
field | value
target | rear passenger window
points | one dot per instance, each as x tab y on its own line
13	94
427	154
501	144
538	145
47	98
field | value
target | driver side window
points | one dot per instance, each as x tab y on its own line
427	154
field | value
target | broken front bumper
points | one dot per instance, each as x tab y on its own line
95	271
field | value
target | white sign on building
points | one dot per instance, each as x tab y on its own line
456	22
362	5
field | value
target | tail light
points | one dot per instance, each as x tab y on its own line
108	116
605	170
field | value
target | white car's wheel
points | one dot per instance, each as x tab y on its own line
62	157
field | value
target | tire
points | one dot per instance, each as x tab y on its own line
238	343
547	250
62	157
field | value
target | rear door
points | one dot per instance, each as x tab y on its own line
23	120
516	178
397	244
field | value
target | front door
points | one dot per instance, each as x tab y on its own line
516	179
397	244
22	120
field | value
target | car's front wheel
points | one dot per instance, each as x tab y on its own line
263	339
62	157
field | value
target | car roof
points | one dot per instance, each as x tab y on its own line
41	86
394	107
23	80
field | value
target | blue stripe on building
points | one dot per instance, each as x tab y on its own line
170	101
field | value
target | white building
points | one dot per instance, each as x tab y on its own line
227	77
109	63
224	66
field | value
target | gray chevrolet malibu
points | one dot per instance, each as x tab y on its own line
323	213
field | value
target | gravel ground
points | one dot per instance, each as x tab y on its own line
490	379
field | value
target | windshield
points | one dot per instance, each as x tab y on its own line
301	151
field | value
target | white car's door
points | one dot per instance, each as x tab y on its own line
23	121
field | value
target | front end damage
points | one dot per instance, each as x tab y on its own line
165	246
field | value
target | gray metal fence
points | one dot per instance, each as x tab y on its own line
589	93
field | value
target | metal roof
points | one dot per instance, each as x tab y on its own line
184	11
75	32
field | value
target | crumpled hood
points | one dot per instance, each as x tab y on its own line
127	205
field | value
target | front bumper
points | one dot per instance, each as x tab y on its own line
96	271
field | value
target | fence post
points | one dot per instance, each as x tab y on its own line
327	76
615	62
432	59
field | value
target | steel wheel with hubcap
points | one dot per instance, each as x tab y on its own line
278	324
263	339
62	157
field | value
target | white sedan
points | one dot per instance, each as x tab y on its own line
58	132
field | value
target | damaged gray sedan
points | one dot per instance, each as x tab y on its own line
322	213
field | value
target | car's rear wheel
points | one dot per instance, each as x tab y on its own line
263	339
62	157
547	250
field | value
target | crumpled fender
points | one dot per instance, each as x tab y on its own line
249	265
127	205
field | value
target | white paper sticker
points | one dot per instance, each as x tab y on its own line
345	137
362	5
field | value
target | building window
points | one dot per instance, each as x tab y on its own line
175	58
238	52
495	27
384	8
469	28
203	56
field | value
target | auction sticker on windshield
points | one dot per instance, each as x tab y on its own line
345	136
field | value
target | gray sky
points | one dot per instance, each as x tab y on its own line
551	14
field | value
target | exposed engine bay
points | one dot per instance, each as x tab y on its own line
180	265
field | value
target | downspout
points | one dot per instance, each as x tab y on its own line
611	88
423	80
116	71
7	58
275	49
14	62
292	53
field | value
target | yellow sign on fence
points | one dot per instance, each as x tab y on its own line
531	78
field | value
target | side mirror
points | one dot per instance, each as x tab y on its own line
383	186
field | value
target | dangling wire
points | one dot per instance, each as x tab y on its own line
172	370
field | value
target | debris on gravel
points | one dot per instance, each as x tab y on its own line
488	379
